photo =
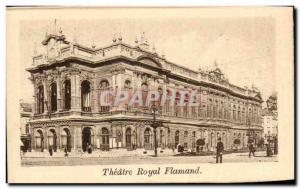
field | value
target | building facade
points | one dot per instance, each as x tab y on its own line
270	117
26	115
69	78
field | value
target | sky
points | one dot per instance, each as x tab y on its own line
242	47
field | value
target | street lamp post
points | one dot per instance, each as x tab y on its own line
154	125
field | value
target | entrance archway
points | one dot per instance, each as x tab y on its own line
105	139
86	138
128	138
200	144
147	139
66	139
39	141
52	138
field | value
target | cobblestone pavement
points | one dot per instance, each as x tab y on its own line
86	160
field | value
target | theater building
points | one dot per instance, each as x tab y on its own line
69	78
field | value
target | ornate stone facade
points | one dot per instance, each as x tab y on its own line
69	78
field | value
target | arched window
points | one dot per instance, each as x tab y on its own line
193	139
177	107
144	93
40	100
243	116
27	128
161	137
127	87
233	113
53	97
211	138
168	100
221	110
185	139
85	96
147	135
127	84
105	136
250	115
186	109
209	108
176	138
104	85
158	102
224	138
67	94
193	108
215	111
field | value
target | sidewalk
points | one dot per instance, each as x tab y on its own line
99	153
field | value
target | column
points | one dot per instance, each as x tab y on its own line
45	138
123	136
78	138
46	103
95	100
32	139
59	93
57	129
34	107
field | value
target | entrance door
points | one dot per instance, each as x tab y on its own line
39	141
86	138
105	139
52	139
66	139
147	139
128	138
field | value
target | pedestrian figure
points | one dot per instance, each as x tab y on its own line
275	146
220	148
251	149
66	152
269	150
89	149
50	150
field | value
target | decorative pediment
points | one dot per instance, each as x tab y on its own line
56	38
217	77
149	61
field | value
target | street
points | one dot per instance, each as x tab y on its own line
70	161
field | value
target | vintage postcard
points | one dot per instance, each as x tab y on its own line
150	95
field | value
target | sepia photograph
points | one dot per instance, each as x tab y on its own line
150	95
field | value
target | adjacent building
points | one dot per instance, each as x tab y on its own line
69	78
25	114
270	117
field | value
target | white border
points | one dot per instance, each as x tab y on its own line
103	3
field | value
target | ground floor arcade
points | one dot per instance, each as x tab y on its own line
133	135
